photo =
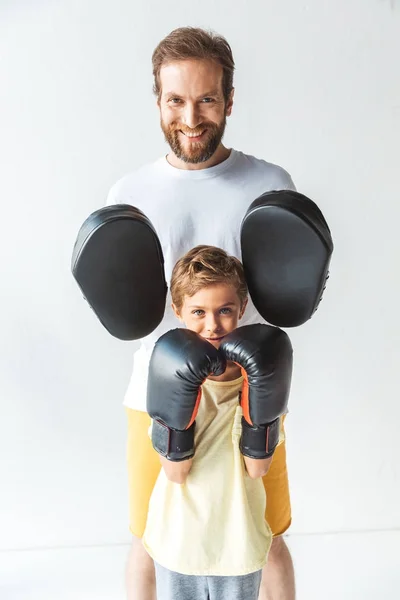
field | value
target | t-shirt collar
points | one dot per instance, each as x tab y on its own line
199	173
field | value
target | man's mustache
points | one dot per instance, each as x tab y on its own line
198	130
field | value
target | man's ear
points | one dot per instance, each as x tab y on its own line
176	312
229	103
243	308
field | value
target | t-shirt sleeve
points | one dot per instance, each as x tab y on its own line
112	196
275	177
290	184
285	181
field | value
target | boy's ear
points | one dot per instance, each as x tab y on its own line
243	308
176	312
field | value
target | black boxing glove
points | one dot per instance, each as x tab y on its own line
265	356
180	362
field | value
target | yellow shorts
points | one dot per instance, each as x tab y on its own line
144	467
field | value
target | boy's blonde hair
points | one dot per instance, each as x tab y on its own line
203	266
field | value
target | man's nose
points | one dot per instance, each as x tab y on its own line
192	115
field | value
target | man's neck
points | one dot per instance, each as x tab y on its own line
218	157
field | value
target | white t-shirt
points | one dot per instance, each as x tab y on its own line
188	208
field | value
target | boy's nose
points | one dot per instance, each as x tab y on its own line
213	326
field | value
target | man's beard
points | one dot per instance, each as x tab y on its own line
199	152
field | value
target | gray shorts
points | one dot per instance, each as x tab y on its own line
175	586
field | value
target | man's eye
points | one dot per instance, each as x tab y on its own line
208	100
175	100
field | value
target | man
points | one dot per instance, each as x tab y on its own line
197	194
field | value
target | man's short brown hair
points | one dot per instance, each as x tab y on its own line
203	266
194	43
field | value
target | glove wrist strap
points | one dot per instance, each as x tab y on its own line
174	444
259	441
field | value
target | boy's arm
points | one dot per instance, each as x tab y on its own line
176	471
257	467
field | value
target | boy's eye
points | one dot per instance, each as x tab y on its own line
225	311
198	312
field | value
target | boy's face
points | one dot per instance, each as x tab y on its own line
213	312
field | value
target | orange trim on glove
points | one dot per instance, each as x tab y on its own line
245	396
196	408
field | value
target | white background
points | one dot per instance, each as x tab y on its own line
317	91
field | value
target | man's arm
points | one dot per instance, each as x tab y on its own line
257	467
176	471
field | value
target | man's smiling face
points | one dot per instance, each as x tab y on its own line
193	109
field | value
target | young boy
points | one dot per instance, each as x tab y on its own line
206	529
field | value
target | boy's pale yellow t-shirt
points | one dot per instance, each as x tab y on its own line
214	523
